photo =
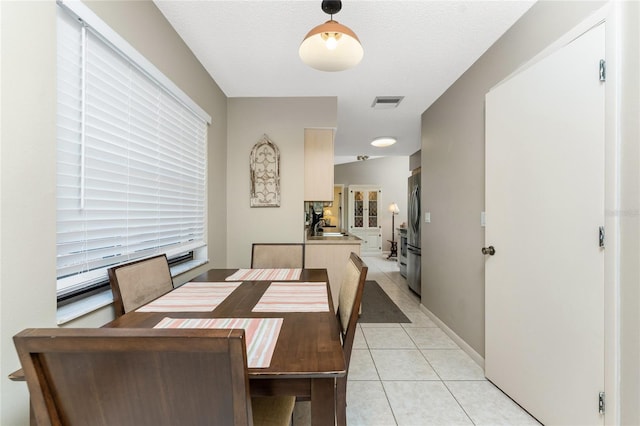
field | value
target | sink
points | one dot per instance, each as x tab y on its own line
331	234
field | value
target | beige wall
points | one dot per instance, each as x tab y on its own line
391	174
453	190
27	167
27	163
453	171
283	120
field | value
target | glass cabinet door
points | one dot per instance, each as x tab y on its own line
358	209
364	212
364	207
372	217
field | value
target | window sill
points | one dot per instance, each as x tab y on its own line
94	302
84	306
186	266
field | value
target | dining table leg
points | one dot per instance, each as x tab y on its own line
323	402
341	401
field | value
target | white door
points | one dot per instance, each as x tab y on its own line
544	206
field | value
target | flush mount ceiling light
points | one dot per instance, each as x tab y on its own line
331	46
383	142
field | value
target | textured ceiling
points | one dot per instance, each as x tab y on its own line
415	49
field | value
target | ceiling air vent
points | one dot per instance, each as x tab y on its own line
386	102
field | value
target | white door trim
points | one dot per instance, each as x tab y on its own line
593	20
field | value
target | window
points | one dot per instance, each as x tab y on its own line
131	156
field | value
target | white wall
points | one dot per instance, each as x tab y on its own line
28	168
629	215
283	120
391	174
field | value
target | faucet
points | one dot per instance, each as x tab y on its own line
315	227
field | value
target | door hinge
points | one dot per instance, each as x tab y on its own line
601	237
603	70
601	402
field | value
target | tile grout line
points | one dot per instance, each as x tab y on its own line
387	282
386	395
458	402
393	413
395	419
423	356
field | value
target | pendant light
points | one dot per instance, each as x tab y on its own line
331	46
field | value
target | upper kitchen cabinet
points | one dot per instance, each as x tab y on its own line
318	164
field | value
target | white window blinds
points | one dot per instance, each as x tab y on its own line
131	161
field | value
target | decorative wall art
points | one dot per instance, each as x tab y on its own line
265	174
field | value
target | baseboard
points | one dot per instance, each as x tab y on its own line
475	356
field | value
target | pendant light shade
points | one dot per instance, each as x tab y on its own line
331	46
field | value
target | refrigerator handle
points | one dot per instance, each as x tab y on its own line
415	207
412	209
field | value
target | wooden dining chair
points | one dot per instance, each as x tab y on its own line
349	300
137	283
277	255
139	377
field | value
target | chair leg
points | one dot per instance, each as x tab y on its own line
341	401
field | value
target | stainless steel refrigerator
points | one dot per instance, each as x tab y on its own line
413	235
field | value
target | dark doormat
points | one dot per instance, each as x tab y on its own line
377	307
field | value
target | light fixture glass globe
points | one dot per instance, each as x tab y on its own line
383	142
347	53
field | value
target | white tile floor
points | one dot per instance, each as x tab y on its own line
414	374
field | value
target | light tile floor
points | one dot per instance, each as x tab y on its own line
414	374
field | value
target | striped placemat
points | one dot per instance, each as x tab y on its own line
281	274
192	297
261	334
294	297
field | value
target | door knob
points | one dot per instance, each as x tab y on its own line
488	250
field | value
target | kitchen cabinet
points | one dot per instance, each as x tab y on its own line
332	256
318	164
364	210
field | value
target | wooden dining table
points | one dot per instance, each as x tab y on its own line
308	355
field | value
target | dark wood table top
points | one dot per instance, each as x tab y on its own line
309	343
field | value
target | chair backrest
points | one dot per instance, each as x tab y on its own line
349	300
136	377
137	283
277	255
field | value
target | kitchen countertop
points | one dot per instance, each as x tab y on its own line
346	239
